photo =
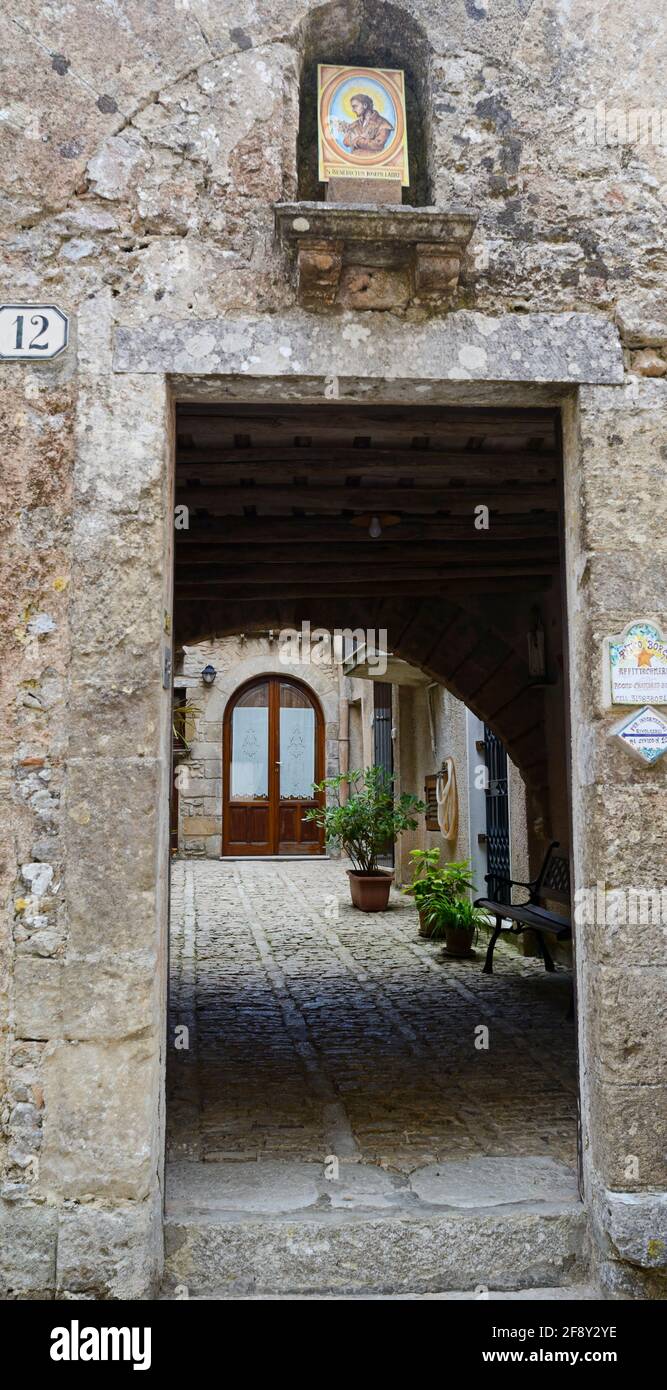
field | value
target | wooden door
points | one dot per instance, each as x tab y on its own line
273	751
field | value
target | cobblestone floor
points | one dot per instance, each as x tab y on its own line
316	1029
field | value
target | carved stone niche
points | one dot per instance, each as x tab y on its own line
382	257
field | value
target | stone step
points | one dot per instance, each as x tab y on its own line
275	1228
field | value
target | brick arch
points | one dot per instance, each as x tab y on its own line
480	661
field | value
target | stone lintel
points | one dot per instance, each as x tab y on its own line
427	243
545	349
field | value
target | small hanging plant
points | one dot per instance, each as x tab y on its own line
180	717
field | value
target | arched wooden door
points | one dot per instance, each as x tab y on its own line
273	751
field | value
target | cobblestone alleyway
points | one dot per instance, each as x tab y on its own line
315	1029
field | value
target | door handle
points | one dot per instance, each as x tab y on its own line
278	762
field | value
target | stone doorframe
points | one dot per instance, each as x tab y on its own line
104	1136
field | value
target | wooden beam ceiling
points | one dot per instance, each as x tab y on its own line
280	500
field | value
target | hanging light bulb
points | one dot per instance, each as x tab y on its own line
375	528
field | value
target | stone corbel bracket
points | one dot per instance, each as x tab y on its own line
422	246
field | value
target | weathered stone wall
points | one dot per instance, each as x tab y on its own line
617	568
144	147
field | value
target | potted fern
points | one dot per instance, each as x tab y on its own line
363	825
450	914
433	881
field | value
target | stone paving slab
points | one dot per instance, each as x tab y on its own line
493	1182
276	1187
318	1030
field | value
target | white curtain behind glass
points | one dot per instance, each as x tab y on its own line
297	753
250	752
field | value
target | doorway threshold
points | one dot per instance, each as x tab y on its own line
271	858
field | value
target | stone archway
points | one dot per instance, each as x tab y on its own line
119	794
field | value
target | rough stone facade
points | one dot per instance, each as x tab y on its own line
139	185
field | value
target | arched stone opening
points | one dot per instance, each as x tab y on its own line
367	34
477	654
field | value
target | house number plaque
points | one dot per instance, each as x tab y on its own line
32	332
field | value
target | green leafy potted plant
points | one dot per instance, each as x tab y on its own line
425	864
457	920
363	826
432	881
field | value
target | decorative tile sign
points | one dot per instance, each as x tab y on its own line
361	125
645	734
32	332
638	665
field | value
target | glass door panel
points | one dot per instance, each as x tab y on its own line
249	779
297	745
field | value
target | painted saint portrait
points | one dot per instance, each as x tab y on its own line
361	123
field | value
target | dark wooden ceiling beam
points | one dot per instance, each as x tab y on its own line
460	582
334	531
223	578
268	579
425	556
231	501
361	419
352	460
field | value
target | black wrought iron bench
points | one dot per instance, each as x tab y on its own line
552	882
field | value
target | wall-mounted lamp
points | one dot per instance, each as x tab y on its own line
209	674
376	524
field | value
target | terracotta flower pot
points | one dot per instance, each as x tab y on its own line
425	927
458	941
370	892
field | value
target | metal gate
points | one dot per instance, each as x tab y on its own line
497	818
383	748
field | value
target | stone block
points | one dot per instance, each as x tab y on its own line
372	287
627	1133
463	346
38	998
125	422
101	1130
627	1011
630	436
320	1252
632	1226
642	318
612	936
200	825
364	191
28	1245
109	1254
648	362
110	997
319	264
113	814
436	272
624	844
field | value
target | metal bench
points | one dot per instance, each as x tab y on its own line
552	882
